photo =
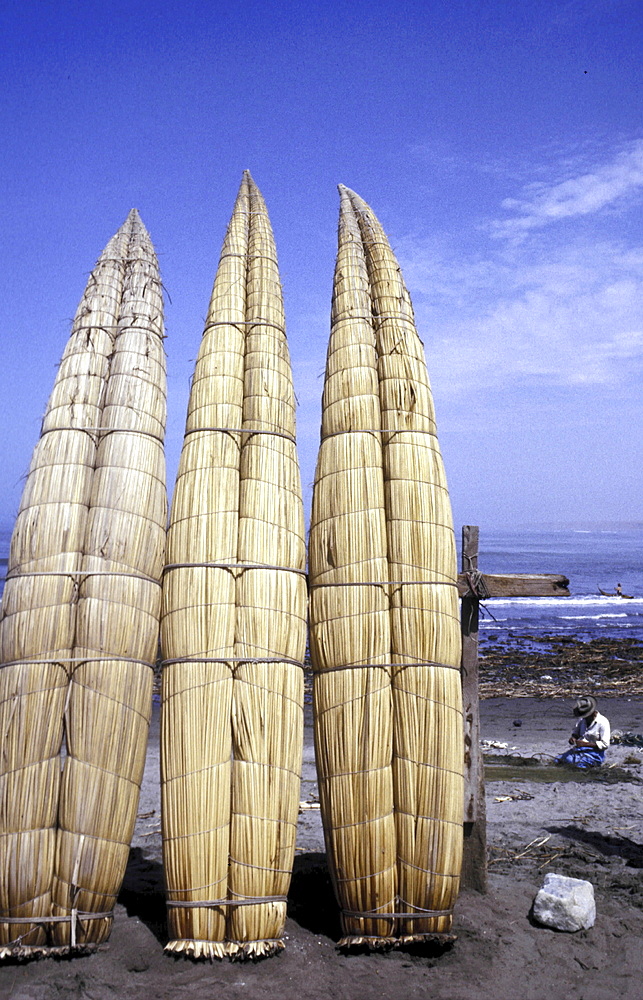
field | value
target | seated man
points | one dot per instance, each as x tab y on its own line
590	738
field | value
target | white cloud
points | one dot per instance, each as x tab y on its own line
574	318
562	310
541	203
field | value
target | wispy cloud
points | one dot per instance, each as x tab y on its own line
543	203
573	319
562	310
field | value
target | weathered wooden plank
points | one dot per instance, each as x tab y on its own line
513	584
474	861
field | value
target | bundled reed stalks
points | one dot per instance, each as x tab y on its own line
234	618
385	634
80	612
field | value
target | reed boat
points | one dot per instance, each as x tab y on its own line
384	611
234	618
80	615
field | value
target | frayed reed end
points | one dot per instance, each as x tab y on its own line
444	940
23	953
363	941
366	943
27	953
236	951
202	950
255	950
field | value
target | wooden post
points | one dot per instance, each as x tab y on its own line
474	861
472	585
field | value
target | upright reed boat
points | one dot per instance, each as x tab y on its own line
384	621
80	615
234	618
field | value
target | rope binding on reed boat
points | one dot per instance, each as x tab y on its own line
61	660
386	666
75	918
375	915
113	326
380	430
387	583
215	903
104	430
232	659
239	430
82	572
232	567
245	322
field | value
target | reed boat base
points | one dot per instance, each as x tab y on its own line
365	943
26	953
236	951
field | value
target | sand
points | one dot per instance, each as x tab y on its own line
590	829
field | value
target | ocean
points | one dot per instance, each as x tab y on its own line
591	558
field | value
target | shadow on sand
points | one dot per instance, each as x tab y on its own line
621	847
143	893
311	902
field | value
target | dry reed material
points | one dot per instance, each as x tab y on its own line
79	628
385	633
234	618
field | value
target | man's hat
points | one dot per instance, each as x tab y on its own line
585	706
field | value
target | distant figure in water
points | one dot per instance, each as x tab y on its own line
590	738
619	590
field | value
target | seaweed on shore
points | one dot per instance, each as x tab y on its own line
562	667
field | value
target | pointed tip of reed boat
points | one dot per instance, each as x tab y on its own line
134	221
248	184
343	189
346	193
358	202
137	228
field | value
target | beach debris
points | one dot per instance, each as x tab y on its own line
627	739
566	904
537	842
515	668
535	850
514	797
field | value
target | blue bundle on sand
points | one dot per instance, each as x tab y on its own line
582	757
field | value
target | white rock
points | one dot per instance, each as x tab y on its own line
567	904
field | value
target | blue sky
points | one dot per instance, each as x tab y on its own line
500	144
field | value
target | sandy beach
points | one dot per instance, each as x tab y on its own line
539	820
